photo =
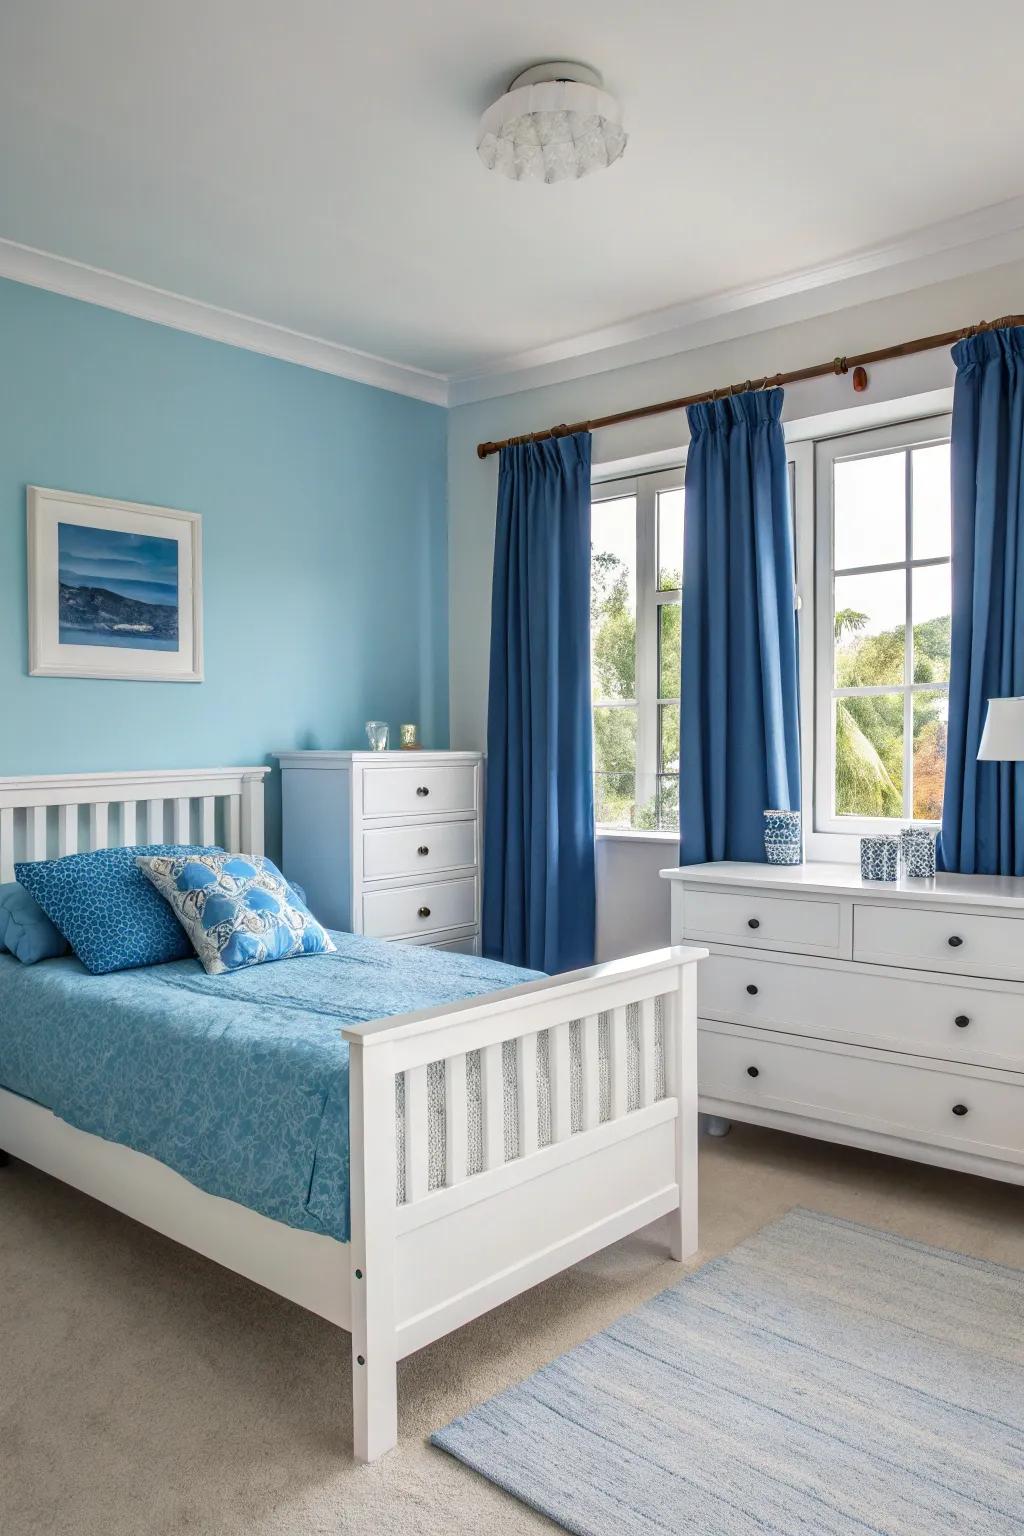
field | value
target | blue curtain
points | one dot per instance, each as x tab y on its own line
539	884
983	805
739	728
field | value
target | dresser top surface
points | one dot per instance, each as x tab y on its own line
846	880
408	756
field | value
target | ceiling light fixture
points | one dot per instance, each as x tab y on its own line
554	123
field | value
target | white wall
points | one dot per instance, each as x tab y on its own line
632	902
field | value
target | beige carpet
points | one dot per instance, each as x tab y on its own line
144	1391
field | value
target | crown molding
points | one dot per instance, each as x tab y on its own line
93	285
972	242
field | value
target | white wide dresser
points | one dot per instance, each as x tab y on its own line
888	1016
387	843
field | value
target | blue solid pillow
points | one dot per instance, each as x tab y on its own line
237	908
106	908
25	928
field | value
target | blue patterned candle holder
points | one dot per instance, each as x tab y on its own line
782	844
879	857
917	853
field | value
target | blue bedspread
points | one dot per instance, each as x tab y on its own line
239	1082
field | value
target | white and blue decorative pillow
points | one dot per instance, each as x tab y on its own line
238	909
106	909
25	928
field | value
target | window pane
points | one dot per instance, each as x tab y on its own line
668	738
930	472
670	540
668	802
613	599
931	712
932	608
614	766
670	617
870	627
870	510
869	755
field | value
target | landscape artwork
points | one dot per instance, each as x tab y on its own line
117	589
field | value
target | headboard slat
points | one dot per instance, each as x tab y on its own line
67	828
35	842
6	844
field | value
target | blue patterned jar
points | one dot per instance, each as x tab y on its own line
782	837
879	857
917	853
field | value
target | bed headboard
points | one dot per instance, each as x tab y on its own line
52	814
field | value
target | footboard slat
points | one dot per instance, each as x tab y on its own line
561	1083
455	1129
493	1092
648	1052
591	1072
416	1137
618	1063
526	1094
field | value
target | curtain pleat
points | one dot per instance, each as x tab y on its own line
739	728
539	882
983	803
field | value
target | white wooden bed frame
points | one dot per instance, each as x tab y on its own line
417	1270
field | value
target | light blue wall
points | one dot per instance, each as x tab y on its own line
324	541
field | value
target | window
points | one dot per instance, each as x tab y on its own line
883	627
635	618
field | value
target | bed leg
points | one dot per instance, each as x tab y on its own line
716	1126
372	1249
374	1403
683	1078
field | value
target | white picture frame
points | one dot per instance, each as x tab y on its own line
127	551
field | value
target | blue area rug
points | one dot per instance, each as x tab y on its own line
822	1379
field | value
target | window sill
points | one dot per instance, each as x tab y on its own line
633	835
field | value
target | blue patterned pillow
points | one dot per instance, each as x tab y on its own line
237	908
25	928
106	908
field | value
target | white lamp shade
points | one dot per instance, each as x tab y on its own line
554	130
1002	740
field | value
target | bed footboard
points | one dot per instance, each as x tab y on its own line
585	1090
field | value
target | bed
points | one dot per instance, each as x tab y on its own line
393	1137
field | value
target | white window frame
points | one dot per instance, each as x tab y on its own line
644	488
831	835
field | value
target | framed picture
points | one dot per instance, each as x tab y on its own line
114	589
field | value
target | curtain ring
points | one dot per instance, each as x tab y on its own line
839	365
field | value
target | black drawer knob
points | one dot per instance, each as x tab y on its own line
424	912
954	941
753	922
961	1021
959	1109
422	850
423	790
752	989
753	1072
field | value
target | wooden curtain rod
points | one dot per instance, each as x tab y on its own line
794	376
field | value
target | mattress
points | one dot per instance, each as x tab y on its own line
238	1082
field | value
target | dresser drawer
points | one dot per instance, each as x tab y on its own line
418	850
890	1095
767	922
980	1024
417	909
419	791
966	942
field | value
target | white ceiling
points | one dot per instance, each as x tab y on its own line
311	162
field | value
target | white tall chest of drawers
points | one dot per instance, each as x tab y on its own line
387	843
888	1016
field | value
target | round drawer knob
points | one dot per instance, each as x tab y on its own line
954	941
961	1021
422	790
753	922
422	850
959	1109
753	1072
423	912
752	989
